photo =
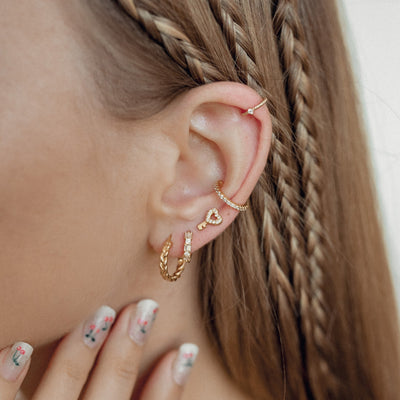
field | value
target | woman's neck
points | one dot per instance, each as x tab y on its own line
178	321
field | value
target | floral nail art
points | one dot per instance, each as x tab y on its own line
97	327
15	361
141	323
19	351
189	359
184	362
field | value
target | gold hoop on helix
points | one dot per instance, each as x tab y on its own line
250	111
181	261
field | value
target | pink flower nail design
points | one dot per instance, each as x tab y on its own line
142	325
97	328
146	312
189	359
184	362
19	351
13	364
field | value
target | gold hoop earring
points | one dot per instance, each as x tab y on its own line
250	111
187	255
239	207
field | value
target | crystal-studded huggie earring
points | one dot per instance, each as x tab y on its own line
239	207
187	255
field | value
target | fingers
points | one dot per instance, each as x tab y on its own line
14	364
171	374
74	357
116	371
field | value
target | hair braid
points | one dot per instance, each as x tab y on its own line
210	73
176	43
291	38
281	199
230	19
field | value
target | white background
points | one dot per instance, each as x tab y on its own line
373	31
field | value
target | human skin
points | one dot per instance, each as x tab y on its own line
87	201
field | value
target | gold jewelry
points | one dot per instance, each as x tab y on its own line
213	217
239	207
250	111
187	255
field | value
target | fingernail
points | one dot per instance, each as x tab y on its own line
97	326
184	362
15	360
142	321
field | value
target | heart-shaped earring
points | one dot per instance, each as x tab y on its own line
213	217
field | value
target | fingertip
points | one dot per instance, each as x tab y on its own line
15	361
171	374
183	363
14	365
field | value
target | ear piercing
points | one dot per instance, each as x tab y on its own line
239	207
213	217
187	253
250	111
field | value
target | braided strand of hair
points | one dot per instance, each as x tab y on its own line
209	73
232	25
296	69
178	46
282	201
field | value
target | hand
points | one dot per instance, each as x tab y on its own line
116	369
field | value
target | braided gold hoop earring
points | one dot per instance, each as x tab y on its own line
187	255
239	207
250	111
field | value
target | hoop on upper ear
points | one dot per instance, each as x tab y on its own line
250	111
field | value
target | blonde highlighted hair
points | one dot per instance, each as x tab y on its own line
298	299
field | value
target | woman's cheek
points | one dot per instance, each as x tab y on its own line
54	235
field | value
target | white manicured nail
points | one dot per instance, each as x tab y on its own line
184	362
15	360
97	327
142	321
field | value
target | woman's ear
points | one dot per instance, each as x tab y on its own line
211	140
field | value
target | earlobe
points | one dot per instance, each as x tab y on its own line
219	139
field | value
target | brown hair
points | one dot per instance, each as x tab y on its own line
298	289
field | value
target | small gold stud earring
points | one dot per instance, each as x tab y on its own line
213	217
187	255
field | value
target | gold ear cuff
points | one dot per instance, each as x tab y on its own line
213	217
239	207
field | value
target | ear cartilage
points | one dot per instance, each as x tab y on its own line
213	217
250	111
